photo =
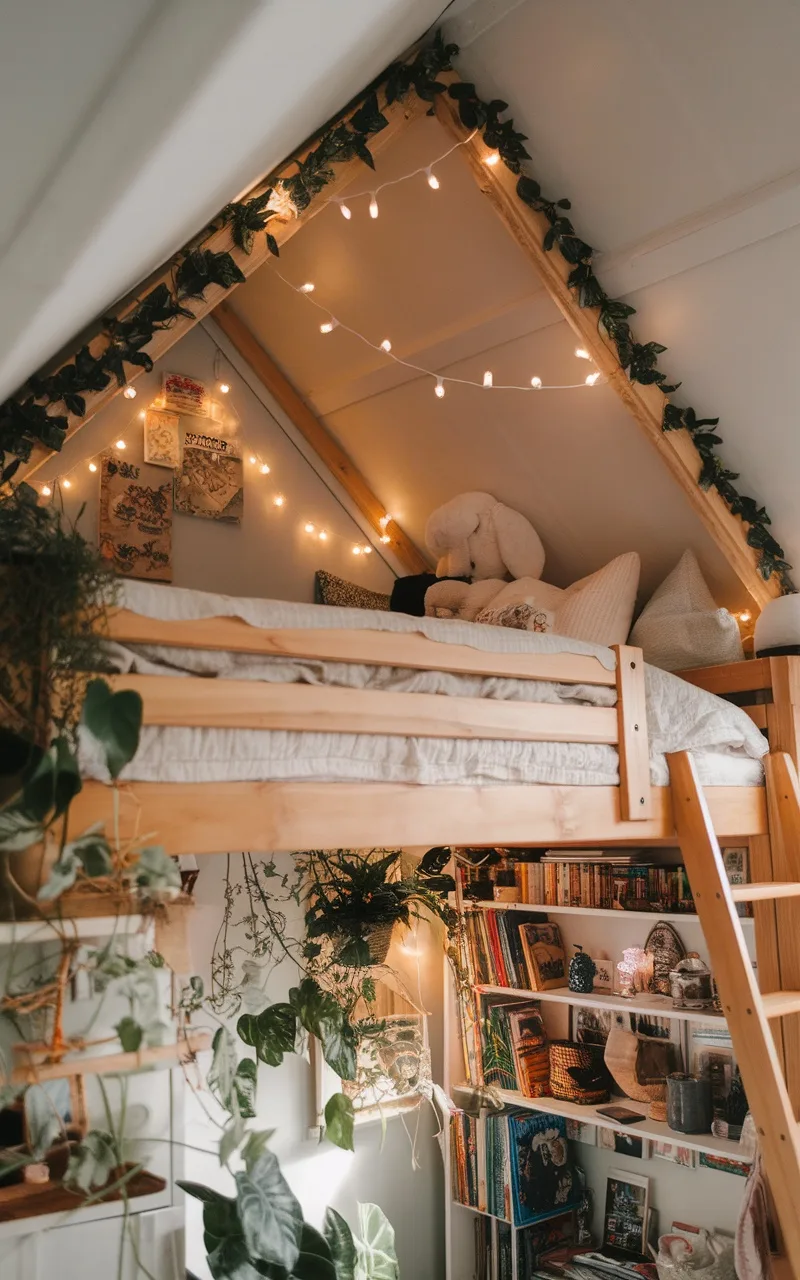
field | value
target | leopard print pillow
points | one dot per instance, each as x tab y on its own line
328	589
521	616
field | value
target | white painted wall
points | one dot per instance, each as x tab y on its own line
380	1170
269	554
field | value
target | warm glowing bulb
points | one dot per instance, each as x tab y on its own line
309	528
328	326
224	388
487	378
252	460
492	157
384	520
129	393
45	490
373	206
323	537
92	466
439	388
307	287
592	379
744	616
536	383
356	551
264	469
142	414
582	353
120	444
385	538
279	500
67	484
386	345
345	211
367	551
433	181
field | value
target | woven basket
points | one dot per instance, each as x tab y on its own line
566	1054
378	939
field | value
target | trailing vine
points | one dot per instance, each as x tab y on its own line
26	420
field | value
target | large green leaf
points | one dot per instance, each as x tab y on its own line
323	1017
375	1249
53	783
130	1034
92	1161
341	1243
272	1033
255	1146
315	1261
92	851
157	872
115	720
63	875
339	1121
223	1066
271	1217
43	1121
339	1043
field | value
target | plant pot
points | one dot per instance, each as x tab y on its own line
689	1105
378	939
29	869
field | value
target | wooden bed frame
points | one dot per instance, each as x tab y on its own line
267	816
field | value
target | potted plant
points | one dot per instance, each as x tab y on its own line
356	898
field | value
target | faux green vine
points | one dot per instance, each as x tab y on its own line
25	419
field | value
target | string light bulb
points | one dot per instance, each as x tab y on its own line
309	528
582	353
67	484
384	520
487	378
492	158
328	326
92	466
252	460
279	500
45	490
744	616
439	388
345	210
224	388
385	538
386	345
264	469
120	444
307	287
373	206
433	181
129	392
142	414
592	379
536	383
323	537
356	551
367	551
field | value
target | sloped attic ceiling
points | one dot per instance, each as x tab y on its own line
437	273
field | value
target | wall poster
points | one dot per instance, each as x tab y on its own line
162	445
210	480
135	522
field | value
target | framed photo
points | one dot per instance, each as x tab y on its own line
603	975
544	956
674	1153
625	1142
162	447
625	1215
590	1026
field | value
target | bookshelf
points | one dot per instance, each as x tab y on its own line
658	1006
675	917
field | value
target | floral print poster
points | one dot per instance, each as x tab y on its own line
135	522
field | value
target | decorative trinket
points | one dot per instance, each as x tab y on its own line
690	984
667	950
582	969
635	971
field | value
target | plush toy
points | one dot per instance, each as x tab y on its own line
474	536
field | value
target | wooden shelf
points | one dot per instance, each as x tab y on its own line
29	1200
471	1208
642	1003
13	932
654	1129
676	917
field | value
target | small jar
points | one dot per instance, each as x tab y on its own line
690	984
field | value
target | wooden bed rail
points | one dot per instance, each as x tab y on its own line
768	689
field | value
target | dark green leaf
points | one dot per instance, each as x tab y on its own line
272	1033
244	1084
342	1246
271	1217
339	1121
272	245
130	1034
115	720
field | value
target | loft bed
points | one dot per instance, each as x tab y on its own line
585	699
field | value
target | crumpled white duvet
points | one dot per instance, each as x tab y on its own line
727	745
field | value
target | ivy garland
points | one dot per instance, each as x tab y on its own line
25	420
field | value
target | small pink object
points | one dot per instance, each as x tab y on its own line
37	1173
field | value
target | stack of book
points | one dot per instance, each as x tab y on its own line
513	1046
613	882
496	947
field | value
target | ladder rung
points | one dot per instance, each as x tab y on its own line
765	891
778	1004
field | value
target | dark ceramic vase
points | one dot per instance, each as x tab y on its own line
581	972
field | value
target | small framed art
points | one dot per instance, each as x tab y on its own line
625	1215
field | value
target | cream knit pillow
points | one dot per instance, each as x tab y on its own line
681	625
597	609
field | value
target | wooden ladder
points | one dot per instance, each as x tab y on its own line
753	1016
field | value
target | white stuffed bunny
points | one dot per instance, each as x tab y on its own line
474	536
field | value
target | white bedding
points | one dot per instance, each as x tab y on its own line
727	745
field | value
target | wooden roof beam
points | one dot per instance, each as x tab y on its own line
646	403
317	435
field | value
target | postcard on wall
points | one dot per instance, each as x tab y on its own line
674	1153
135	522
625	1218
183	394
210	480
162	445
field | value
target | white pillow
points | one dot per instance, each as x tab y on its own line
597	609
681	625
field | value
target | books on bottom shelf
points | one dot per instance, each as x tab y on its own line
515	1165
536	1244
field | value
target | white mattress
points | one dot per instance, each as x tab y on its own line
726	744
